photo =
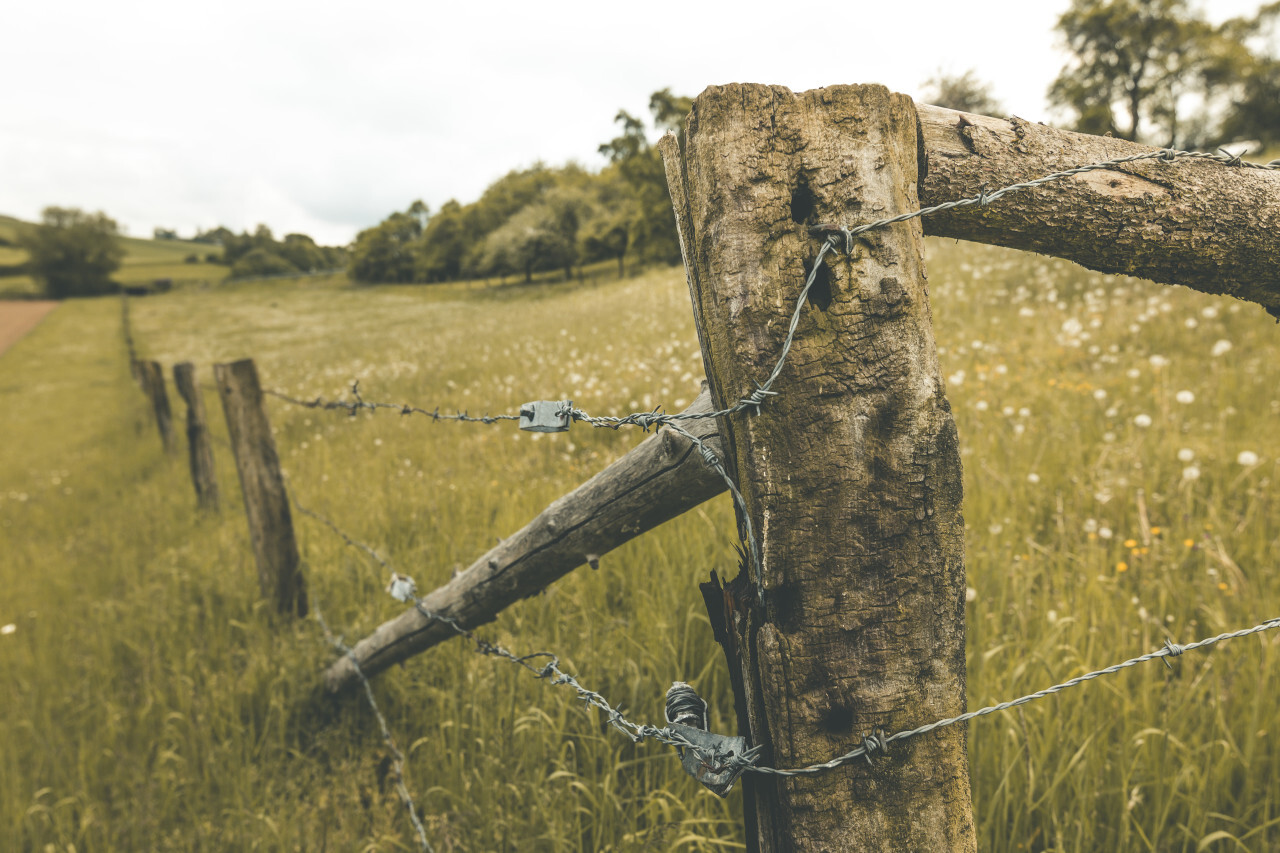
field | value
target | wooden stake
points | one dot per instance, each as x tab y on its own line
153	385
265	501
203	476
851	473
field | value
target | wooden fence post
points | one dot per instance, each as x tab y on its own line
153	385
851	474
265	502
203	476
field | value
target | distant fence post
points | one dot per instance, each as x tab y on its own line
153	386
202	474
134	369
265	502
851	473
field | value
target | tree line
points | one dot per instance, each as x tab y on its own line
540	218
1154	71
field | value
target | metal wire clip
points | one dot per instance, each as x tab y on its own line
546	416
714	760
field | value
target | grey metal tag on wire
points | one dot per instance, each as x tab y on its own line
546	416
718	760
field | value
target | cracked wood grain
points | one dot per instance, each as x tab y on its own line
851	474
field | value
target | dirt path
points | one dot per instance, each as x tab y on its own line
18	318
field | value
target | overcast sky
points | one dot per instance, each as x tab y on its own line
322	117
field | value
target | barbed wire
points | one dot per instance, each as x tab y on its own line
403	588
354	406
876	741
397	757
872	742
754	400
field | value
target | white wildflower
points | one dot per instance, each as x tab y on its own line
1033	478
1143	420
1221	348
1247	458
1185	397
1186	454
1190	473
1100	394
8	629
1105	533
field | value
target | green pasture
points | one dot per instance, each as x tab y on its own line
144	261
1119	440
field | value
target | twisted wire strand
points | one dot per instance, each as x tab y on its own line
397	757
551	670
874	742
351	407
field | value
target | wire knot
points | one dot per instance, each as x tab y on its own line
757	397
984	198
874	741
1232	159
1173	650
1167	155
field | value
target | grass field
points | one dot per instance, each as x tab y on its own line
144	261
1120	443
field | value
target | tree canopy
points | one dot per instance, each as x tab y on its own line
540	218
73	253
1159	71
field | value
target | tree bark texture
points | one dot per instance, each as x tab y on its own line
203	476
1211	227
153	385
663	477
275	550
851	474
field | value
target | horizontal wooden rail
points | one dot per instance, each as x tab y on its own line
1206	225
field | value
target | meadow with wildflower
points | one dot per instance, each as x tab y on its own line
1120	442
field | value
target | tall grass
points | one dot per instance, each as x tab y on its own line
157	705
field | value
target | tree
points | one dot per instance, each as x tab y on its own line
652	229
444	244
1250	79
964	92
1135	57
261	262
73	253
384	253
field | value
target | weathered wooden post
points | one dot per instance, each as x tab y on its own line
851	473
203	476
128	338
265	502
153	386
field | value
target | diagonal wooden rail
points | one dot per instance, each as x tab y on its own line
663	477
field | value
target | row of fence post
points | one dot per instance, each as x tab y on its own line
266	503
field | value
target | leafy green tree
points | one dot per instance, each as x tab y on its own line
964	92
260	262
652	229
73	253
1249	79
1132	60
303	253
541	236
445	241
385	253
